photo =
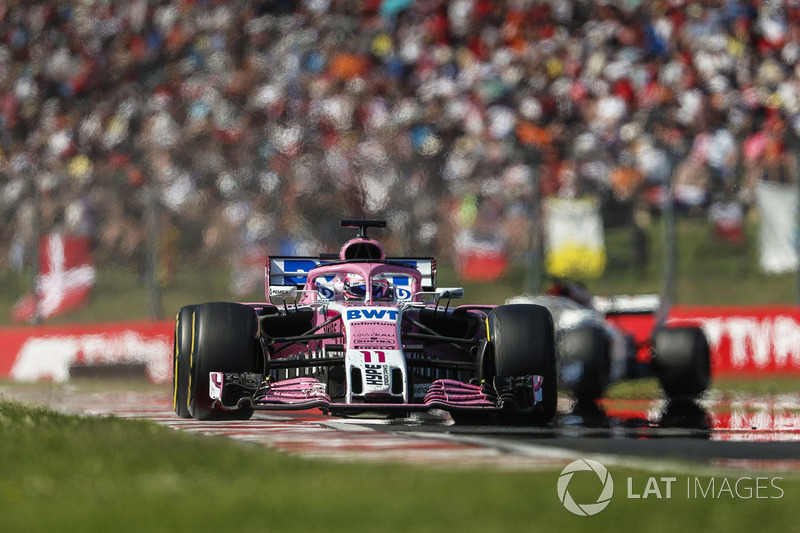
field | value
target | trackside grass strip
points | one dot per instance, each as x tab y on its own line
70	473
721	387
707	269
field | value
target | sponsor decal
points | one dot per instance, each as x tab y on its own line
325	293
402	294
358	345
297	268
375	375
376	371
215	382
333	327
380	356
365	334
389	315
421	389
374	339
363	324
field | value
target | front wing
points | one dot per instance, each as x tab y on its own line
520	394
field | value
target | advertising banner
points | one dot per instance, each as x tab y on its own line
743	340
747	341
777	238
49	352
65	281
575	243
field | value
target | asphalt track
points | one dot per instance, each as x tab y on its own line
754	433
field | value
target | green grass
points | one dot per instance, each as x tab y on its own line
120	294
68	473
710	272
648	388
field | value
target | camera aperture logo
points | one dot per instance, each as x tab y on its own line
585	509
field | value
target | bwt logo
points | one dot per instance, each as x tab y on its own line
586	509
374	314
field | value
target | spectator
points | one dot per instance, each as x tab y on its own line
254	119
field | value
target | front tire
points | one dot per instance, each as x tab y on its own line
681	361
225	340
523	343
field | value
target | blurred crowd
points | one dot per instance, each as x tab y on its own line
256	125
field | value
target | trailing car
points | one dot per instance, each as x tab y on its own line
596	343
359	332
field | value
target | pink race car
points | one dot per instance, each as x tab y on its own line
359	332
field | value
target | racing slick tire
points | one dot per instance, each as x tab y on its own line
681	361
181	353
225	340
583	362
523	343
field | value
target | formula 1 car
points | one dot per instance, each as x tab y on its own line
358	332
603	340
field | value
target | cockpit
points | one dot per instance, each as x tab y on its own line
353	287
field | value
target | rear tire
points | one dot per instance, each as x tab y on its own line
523	343
182	349
583	362
681	361
225	340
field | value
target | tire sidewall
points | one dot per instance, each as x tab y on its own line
181	354
523	343
681	361
225	340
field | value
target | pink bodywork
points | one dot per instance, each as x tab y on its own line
340	324
370	331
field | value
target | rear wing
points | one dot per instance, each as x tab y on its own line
293	271
637	304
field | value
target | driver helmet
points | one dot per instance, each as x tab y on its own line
355	288
381	289
573	290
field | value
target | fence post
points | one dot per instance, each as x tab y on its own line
533	271
670	252
155	308
797	225
36	236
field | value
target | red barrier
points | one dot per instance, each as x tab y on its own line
48	352
749	340
744	340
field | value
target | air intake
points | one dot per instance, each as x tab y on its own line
364	250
